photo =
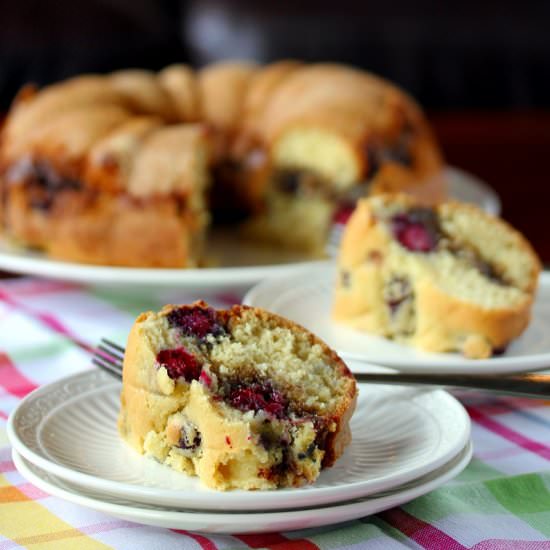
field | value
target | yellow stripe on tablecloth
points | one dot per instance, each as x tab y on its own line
31	525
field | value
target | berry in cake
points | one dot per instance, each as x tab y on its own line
241	398
198	321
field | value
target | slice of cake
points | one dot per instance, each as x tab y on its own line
241	398
447	278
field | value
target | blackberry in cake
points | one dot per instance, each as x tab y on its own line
443	278
240	398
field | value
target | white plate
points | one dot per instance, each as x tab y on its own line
241	264
244	264
68	428
466	187
239	522
306	298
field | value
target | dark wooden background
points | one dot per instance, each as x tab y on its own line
511	152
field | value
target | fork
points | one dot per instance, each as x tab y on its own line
109	356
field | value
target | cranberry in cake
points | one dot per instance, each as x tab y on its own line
240	398
443	278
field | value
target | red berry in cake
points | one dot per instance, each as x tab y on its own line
205	379
259	397
196	321
415	238
179	363
416	230
343	214
247	399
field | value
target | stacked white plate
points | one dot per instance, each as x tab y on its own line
406	442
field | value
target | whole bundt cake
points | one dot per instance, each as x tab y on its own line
444	278
130	168
241	398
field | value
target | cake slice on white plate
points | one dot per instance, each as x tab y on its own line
443	278
241	398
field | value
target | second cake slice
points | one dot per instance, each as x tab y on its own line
447	278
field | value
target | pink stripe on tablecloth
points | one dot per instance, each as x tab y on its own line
32	287
507	433
426	535
276	541
46	319
3	415
203	542
503	407
29	490
13	381
6	466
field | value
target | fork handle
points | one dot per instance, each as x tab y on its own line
527	385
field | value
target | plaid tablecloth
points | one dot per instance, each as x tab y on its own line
501	501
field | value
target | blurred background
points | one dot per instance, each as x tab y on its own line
480	69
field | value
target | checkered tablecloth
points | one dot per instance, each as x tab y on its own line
501	501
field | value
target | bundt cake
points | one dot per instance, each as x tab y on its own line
443	278
240	398
129	168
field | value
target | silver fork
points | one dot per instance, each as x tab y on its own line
109	355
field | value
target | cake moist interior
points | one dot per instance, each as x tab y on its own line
267	375
419	230
229	195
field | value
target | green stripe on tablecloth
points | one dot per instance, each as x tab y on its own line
477	470
467	498
347	534
58	345
132	302
527	496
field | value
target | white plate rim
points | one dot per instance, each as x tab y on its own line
253	522
207	277
28	263
245	500
458	365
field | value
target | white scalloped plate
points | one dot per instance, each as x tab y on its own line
68	428
306	298
241	264
248	522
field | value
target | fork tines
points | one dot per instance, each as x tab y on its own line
108	356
